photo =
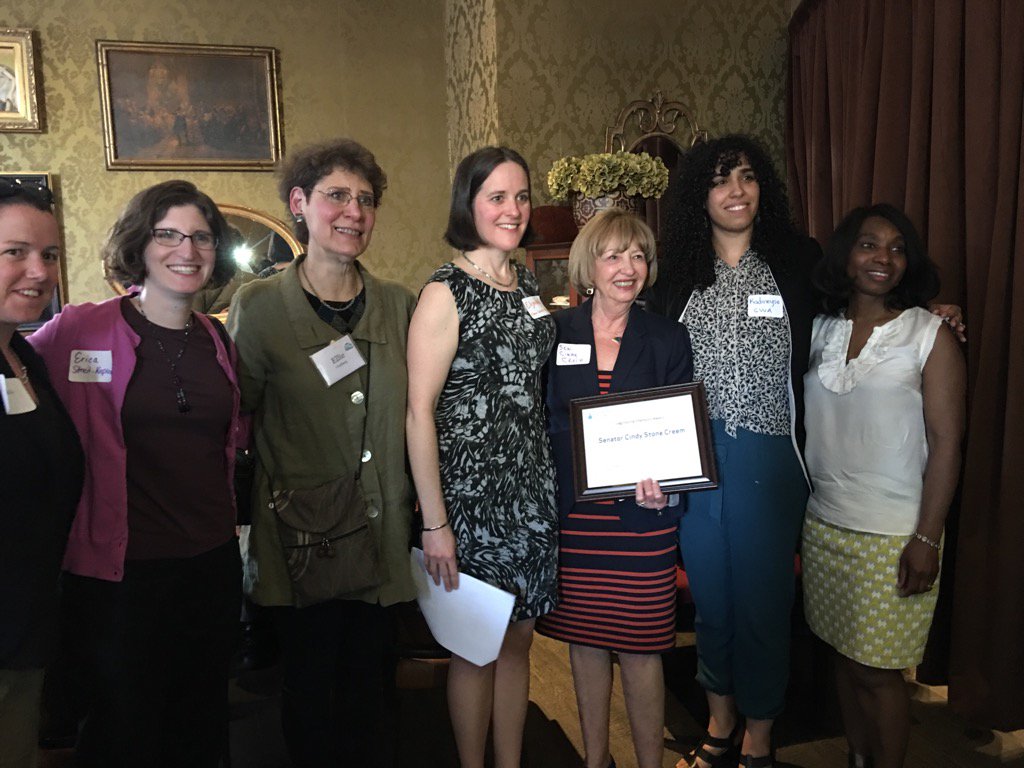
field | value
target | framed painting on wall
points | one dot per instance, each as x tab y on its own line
19	97
169	105
60	293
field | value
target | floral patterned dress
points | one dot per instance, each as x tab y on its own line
496	470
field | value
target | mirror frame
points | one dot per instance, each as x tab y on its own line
270	222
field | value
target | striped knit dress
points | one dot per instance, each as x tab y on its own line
616	588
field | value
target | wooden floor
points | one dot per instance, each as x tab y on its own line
939	739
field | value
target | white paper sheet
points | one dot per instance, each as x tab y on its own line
628	442
469	621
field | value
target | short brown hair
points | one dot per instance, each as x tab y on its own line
612	228
124	252
305	167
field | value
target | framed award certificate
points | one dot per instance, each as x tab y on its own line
661	433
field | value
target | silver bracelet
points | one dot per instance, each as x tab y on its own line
921	537
436	527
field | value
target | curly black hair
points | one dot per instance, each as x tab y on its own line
686	234
920	282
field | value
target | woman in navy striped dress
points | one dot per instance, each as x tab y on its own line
616	559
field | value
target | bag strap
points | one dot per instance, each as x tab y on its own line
362	439
225	339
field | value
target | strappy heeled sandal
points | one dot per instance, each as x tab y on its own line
712	759
762	761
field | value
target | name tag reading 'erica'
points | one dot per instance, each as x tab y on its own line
91	365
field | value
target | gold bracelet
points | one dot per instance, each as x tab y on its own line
436	527
926	540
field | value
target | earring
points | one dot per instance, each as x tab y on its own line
299	218
590	291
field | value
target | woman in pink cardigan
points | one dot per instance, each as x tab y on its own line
152	593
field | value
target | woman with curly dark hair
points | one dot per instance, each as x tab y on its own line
738	275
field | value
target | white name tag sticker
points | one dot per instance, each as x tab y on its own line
535	307
16	398
338	359
765	305
91	366
572	354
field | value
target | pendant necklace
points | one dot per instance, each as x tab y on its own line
608	332
179	390
328	305
487	274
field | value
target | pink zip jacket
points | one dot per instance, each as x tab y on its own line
99	534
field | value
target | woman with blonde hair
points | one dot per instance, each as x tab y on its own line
617	560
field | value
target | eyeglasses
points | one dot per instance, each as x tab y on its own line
12	187
204	241
341	197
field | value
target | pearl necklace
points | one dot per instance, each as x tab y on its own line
487	274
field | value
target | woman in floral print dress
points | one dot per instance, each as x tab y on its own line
477	440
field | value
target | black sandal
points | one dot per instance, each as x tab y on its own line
713	759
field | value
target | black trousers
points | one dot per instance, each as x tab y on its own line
152	655
338	699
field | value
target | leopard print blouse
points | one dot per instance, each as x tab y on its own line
743	361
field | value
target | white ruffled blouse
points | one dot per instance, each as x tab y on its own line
866	444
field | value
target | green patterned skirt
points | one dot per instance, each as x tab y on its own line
850	597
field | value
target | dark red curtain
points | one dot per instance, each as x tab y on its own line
920	103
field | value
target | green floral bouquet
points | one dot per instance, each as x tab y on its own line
604	173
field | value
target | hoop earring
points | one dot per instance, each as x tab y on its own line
589	291
299	218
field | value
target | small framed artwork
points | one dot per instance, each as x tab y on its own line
179	106
60	293
19	96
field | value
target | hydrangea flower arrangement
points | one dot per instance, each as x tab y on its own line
600	174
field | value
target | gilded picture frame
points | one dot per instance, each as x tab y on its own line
19	89
60	293
195	107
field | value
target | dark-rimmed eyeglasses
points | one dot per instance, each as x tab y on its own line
342	197
13	187
204	241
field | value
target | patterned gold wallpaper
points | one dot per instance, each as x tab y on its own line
566	69
420	83
369	70
472	76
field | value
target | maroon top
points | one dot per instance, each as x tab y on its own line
179	503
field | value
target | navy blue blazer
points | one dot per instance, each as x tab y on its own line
655	352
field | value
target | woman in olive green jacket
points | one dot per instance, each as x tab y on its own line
308	432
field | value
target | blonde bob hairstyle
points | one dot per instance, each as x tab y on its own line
613	229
